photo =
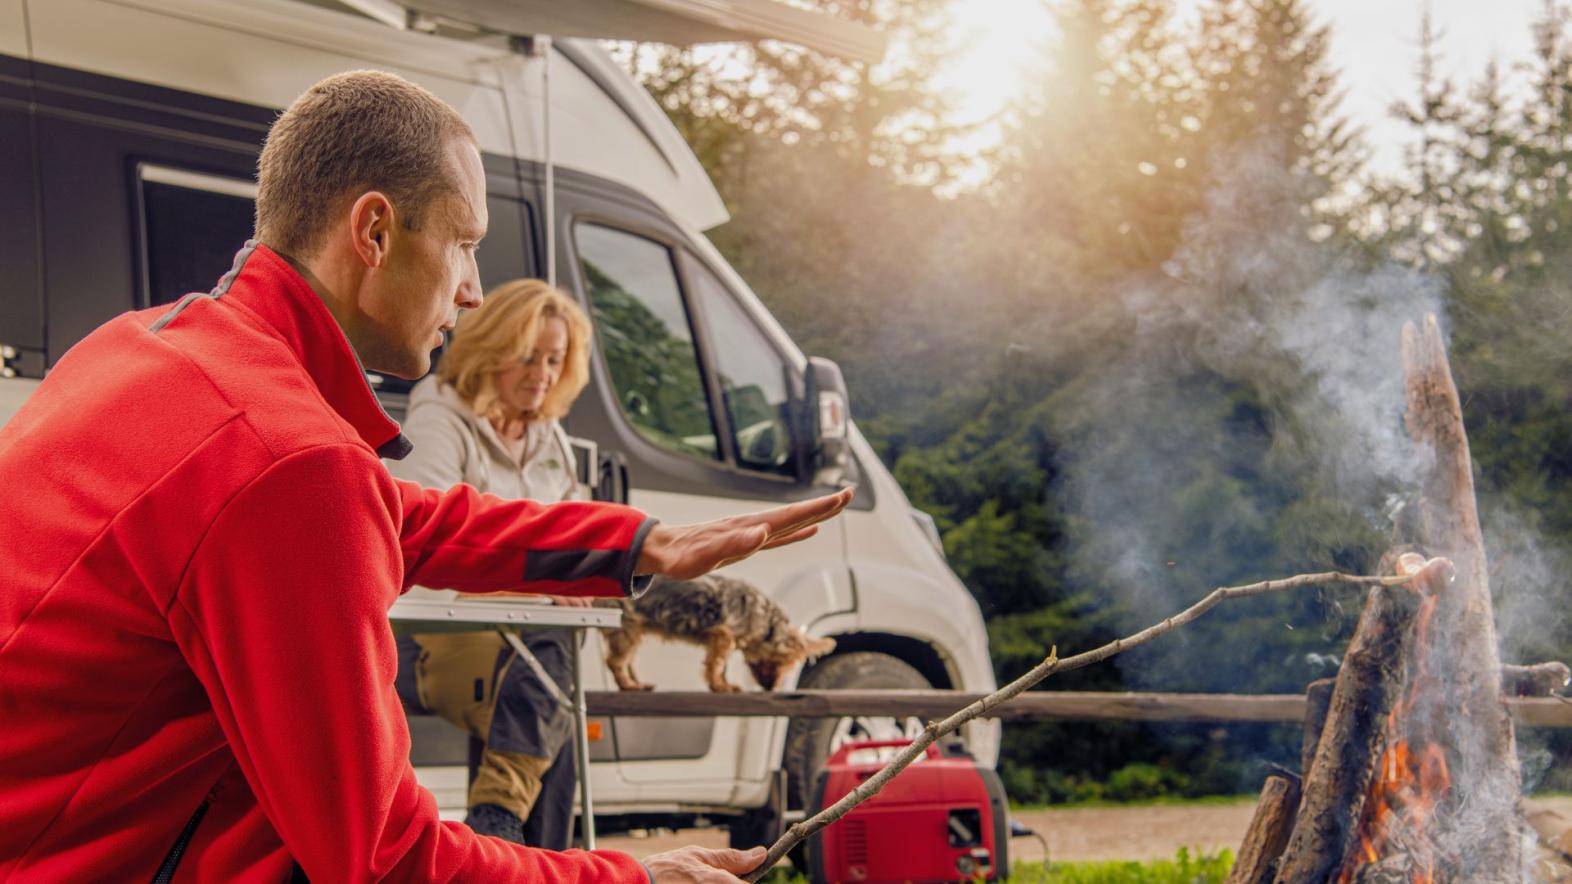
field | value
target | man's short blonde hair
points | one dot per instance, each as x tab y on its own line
351	133
503	331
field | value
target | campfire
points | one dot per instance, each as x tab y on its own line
1409	770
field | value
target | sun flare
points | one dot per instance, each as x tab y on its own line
1000	42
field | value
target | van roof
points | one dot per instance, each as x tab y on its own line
266	52
679	22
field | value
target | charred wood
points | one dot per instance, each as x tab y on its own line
1268	832
1368	686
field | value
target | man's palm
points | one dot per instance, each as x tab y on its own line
686	551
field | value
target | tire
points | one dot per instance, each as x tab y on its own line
761	825
756	828
810	741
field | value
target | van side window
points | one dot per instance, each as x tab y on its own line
192	225
642	325
752	378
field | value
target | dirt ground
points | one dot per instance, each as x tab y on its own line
1077	834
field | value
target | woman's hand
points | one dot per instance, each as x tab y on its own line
685	551
571	601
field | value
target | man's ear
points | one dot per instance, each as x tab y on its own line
371	220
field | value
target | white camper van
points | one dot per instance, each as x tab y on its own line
129	131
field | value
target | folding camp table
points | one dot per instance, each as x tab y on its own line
422	610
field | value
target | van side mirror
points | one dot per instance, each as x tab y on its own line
825	447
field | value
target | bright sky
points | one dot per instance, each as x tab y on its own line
1374	44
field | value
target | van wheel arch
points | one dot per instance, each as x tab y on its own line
914	652
862	659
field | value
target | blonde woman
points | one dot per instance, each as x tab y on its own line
488	417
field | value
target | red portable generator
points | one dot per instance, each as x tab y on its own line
941	819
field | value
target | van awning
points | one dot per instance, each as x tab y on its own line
679	22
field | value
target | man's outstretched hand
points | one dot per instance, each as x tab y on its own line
700	865
686	551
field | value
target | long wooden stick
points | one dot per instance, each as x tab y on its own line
805	829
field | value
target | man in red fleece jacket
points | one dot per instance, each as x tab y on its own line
199	546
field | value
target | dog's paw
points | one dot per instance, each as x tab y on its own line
643	687
725	688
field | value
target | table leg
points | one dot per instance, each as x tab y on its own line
581	743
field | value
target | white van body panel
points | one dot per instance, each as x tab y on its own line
267	52
263	53
13	392
603	124
13	28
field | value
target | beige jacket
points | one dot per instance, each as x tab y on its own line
453	445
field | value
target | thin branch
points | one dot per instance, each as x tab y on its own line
805	829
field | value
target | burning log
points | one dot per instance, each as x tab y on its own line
1396	823
1367	689
1261	853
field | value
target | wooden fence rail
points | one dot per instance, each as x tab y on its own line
1553	712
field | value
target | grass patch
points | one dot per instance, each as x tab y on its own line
1161	801
1185	868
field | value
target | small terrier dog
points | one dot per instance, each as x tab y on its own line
722	614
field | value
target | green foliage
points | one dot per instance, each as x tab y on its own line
1185	868
1491	211
1080	370
1140	781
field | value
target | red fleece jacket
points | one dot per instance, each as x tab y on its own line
198	550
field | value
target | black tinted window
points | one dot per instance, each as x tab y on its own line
191	236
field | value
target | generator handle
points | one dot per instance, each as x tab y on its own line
846	749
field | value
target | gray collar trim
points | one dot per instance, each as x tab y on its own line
218	291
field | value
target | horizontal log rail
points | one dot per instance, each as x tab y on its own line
1553	712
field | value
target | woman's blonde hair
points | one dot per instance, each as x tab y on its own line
502	331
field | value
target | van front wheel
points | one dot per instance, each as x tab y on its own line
811	741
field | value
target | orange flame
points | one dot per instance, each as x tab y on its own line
1412	776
